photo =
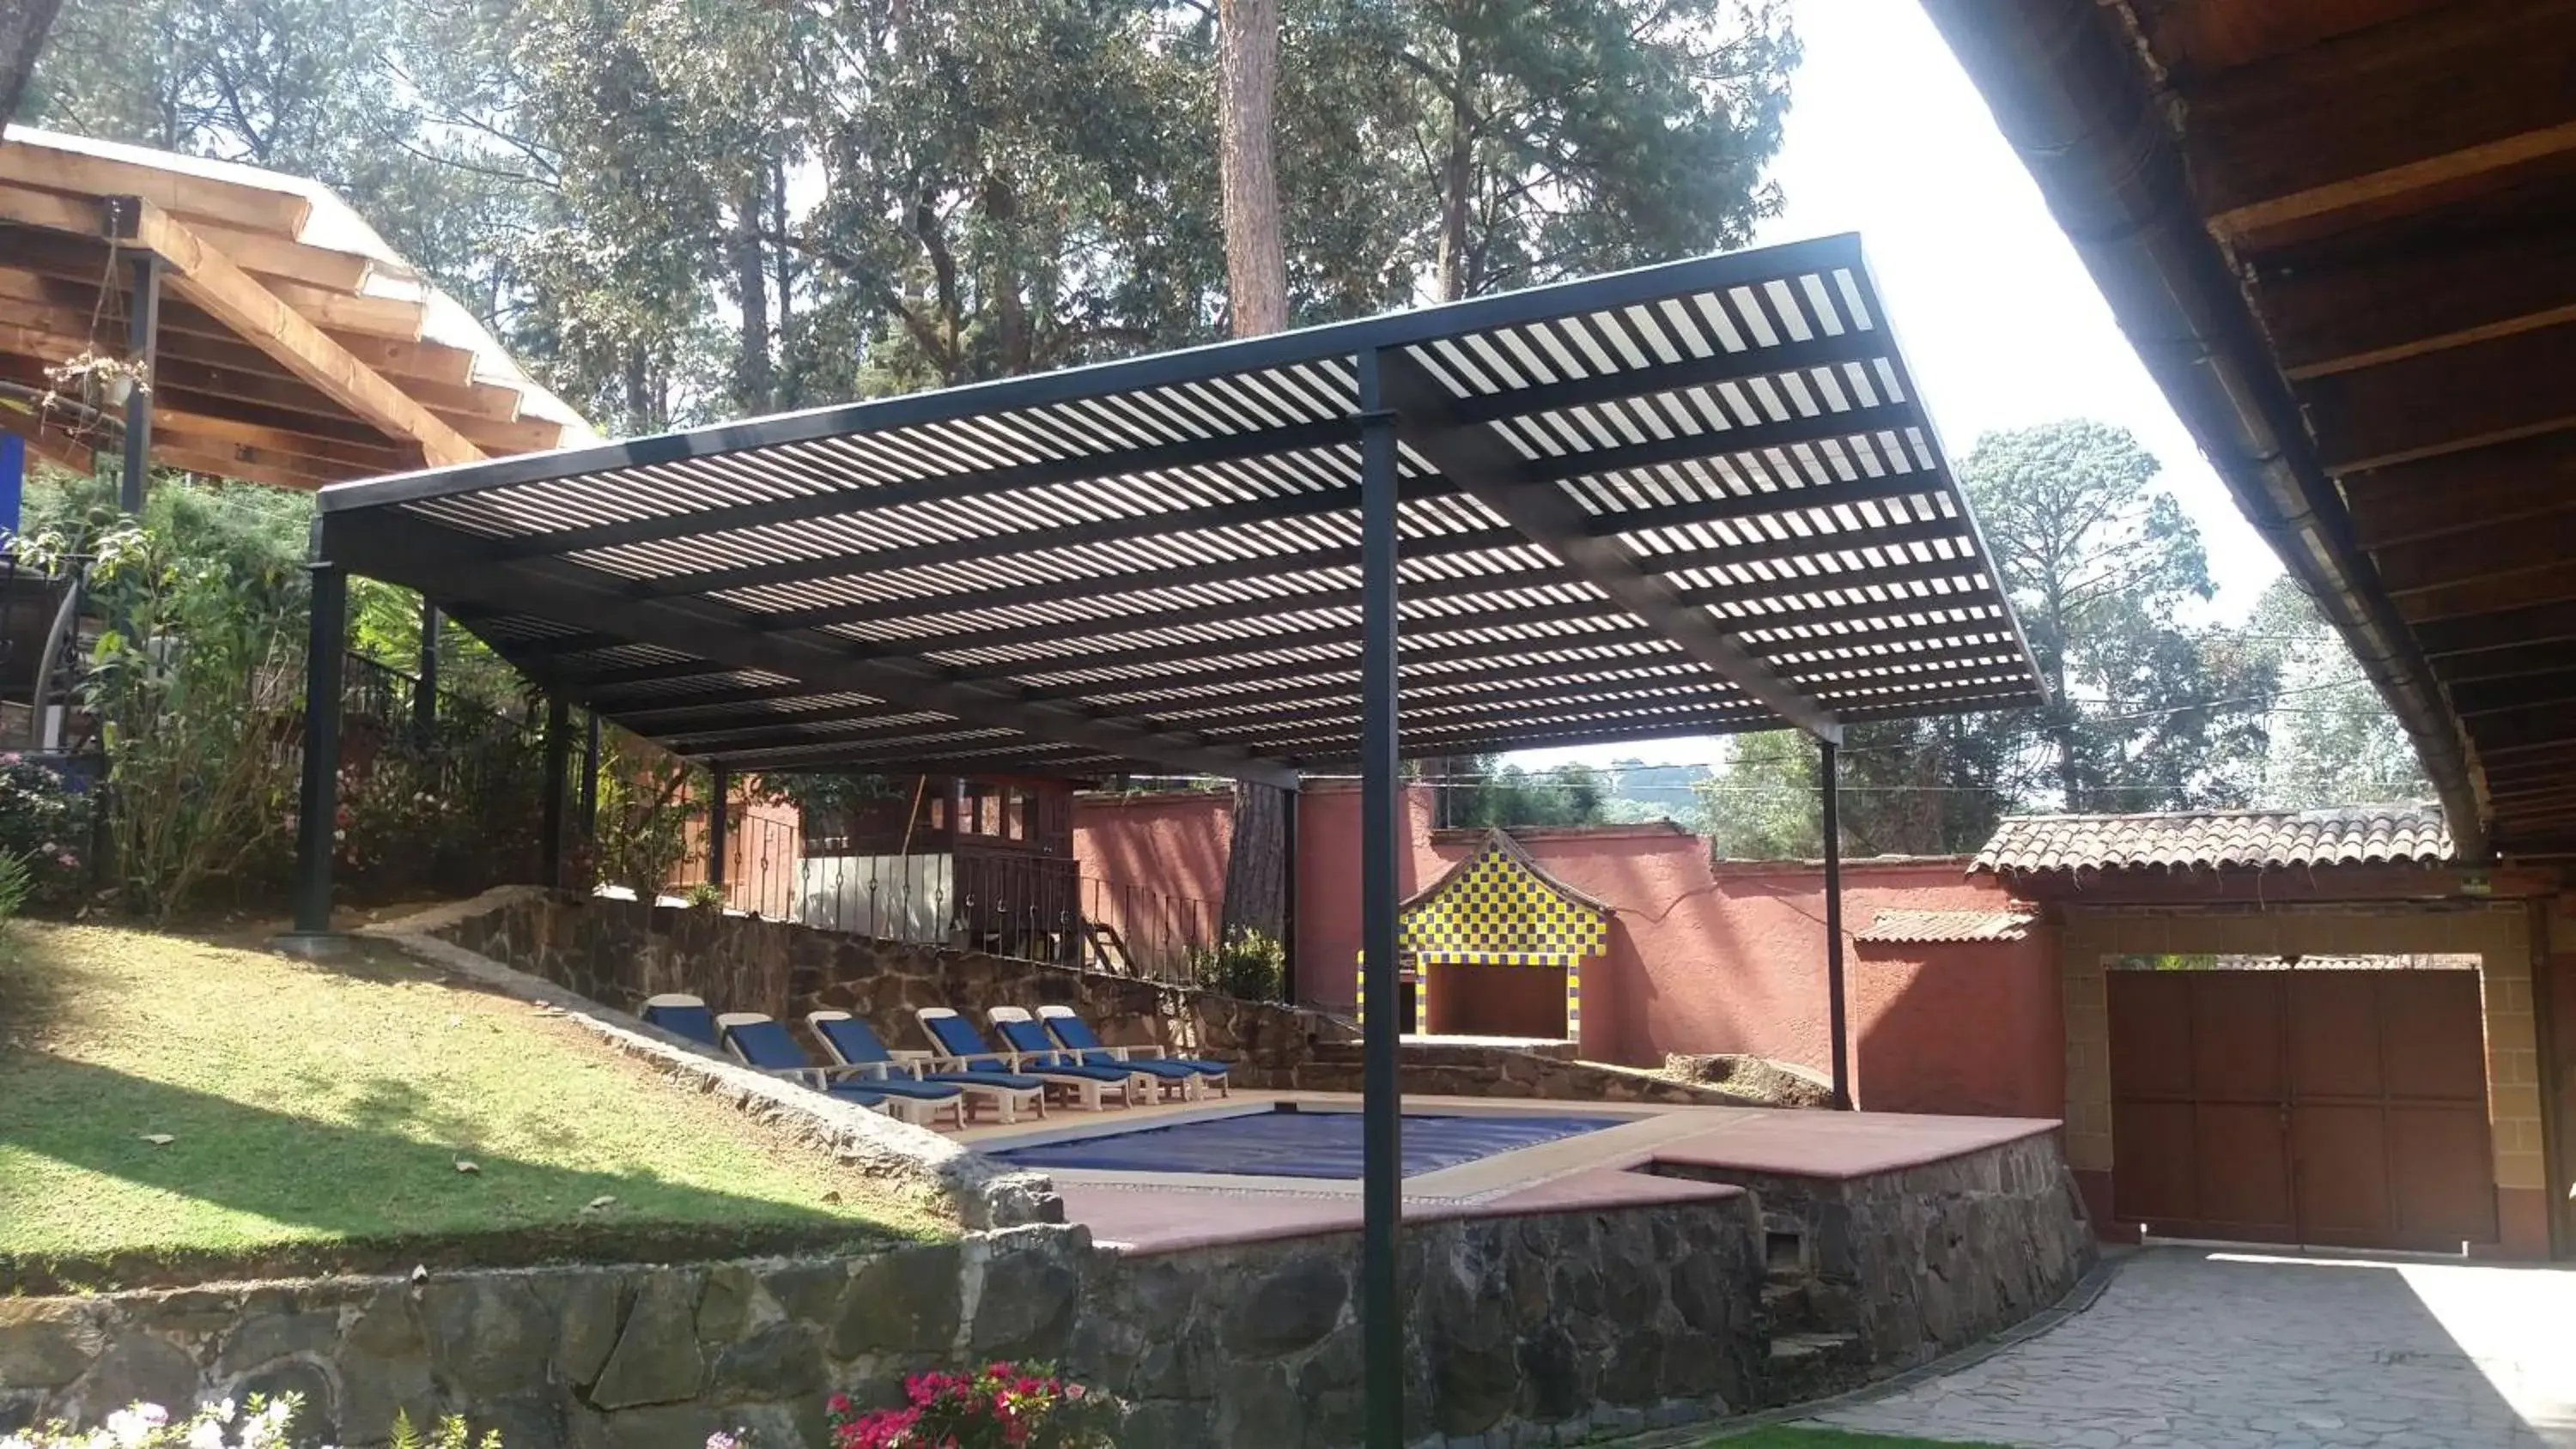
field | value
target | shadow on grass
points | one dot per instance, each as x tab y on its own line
35	997
343	1197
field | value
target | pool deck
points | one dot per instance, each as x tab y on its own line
1142	1212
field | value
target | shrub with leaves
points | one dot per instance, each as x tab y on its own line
1000	1406
44	826
447	1433
195	683
1248	965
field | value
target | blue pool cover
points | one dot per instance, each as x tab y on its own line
1299	1144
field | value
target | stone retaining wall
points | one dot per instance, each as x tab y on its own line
1526	1330
618	952
1889	1270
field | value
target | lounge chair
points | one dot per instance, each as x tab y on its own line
1025	1034
681	1014
764	1043
1076	1035
853	1043
958	1042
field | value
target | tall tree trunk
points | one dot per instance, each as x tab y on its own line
752	387
23	24
1256	269
1458	179
1256	281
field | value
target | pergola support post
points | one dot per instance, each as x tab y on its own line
143	326
590	776
1837	1019
1381	824
424	686
317	807
550	830
719	827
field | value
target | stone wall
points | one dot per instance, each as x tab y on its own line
619	952
1874	1274
1546	1328
1534	1329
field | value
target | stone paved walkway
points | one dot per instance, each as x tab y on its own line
2191	1349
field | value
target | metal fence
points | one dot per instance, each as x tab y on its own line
1030	908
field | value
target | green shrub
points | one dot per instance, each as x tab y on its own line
45	828
1248	965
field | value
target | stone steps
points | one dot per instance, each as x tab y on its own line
1804	1366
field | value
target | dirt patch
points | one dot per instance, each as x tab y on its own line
1756	1079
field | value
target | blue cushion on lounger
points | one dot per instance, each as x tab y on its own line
683	1016
1048	1060
859	1045
1077	1034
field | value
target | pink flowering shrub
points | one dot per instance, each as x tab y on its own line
1000	1406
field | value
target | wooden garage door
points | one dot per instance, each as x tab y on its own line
2334	1108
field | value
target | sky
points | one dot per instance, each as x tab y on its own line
1999	319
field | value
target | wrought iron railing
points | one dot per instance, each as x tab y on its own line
1032	908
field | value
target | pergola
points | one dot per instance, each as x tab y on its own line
1696	498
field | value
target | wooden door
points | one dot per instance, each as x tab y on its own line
2333	1108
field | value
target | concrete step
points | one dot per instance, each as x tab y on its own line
1806	1366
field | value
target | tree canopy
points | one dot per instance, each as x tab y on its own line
2148	709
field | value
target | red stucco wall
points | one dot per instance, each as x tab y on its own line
1703	957
1172	844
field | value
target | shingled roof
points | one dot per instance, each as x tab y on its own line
1905	927
2218	839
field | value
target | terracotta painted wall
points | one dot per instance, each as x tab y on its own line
1703	957
1173	844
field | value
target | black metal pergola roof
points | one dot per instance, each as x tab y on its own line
1695	498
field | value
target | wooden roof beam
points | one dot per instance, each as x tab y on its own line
2380	117
2452	401
2427	297
205	276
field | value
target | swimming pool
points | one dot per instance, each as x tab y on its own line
1287	1142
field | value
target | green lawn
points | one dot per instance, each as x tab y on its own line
1787	1436
317	1117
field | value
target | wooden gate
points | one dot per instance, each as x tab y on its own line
2334	1108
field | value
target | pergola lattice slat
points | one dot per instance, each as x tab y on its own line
1696	497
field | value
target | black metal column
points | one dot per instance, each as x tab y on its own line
1381	824
143	325
718	827
1837	1021
550	834
424	686
590	777
317	807
1288	899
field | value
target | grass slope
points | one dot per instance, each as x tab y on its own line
316	1117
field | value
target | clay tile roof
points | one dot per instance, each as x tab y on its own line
1911	927
2219	839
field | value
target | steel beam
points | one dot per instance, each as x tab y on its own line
1381	826
729	640
143	330
317	808
1837	1023
1476	458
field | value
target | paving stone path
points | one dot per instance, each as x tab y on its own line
2193	1349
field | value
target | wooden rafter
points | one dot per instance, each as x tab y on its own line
2377	117
206	277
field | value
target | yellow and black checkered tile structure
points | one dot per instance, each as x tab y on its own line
1495	908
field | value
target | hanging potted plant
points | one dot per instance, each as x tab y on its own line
96	382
